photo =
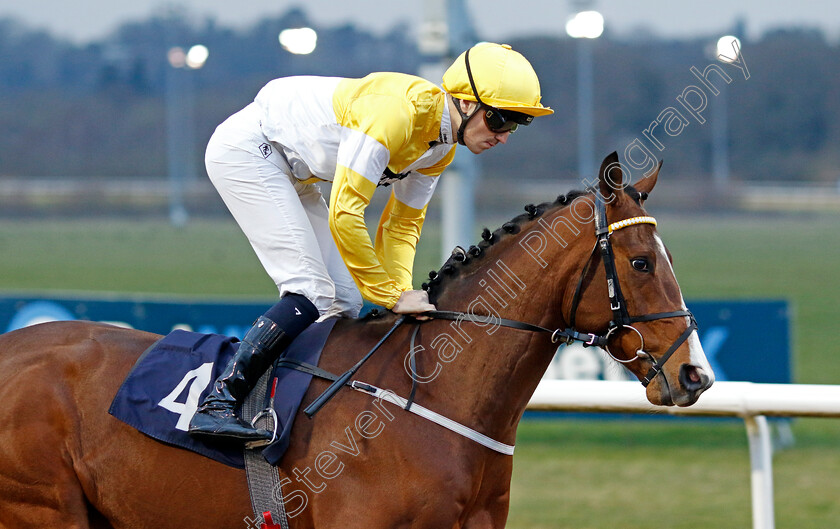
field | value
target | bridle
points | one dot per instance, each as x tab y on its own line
621	317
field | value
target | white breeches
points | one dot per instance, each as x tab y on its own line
285	220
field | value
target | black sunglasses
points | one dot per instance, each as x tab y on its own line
500	121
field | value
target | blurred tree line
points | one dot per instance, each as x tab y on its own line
98	110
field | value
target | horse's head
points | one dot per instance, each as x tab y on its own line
630	283
594	269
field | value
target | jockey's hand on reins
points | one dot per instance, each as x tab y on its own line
414	303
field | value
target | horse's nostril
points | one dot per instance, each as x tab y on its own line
692	377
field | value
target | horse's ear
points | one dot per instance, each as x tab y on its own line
610	177
645	185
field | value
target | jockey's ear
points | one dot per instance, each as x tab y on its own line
467	107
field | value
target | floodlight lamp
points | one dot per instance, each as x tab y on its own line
197	56
728	48
300	41
585	25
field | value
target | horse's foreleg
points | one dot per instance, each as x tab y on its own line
490	511
45	507
38	483
37	489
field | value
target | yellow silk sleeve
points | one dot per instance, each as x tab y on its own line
396	240
351	193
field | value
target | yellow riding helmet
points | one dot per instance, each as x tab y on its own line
503	78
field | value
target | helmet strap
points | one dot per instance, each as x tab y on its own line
479	103
465	118
470	77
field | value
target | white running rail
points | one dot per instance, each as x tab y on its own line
750	401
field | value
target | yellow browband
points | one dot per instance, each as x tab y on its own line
630	222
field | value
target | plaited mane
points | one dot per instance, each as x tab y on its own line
461	259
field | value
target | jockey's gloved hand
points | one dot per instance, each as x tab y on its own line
414	302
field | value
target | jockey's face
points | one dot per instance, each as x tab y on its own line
477	136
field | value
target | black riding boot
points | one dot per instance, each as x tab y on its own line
262	345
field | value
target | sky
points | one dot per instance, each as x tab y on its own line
83	21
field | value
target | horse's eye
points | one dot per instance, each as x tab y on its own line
641	264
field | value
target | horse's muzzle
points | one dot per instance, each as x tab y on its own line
693	380
682	390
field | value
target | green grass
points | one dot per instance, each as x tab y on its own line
685	474
567	473
206	259
795	259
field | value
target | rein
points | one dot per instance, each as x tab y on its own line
557	335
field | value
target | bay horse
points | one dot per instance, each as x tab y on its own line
65	462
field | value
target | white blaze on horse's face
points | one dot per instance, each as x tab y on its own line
697	356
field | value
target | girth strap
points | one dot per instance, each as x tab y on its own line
264	484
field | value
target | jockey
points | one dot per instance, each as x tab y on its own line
386	129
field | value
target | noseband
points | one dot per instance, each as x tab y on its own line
621	317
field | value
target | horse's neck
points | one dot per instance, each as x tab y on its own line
498	368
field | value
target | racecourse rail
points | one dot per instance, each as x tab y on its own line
752	402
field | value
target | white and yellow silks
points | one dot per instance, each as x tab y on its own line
348	131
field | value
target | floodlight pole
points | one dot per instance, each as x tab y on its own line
176	144
585	26
720	111
586	129
446	32
180	125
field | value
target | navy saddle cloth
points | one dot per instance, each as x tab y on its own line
166	385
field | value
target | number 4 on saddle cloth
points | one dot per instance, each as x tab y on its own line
164	388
